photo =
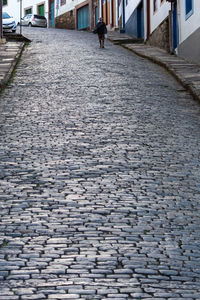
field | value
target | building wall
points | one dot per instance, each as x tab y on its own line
130	8
160	14
190	25
131	24
160	36
64	17
189	32
68	6
184	49
66	20
13	9
131	18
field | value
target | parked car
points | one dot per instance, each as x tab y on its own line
34	20
9	24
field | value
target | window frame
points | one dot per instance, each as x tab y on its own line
62	2
26	11
188	14
155	6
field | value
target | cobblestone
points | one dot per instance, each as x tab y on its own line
99	169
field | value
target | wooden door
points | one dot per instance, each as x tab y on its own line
113	13
52	14
83	17
41	10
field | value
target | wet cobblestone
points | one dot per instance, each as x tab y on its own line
99	169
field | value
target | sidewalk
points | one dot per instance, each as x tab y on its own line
188	74
9	55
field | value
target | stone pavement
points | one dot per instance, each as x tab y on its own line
9	55
99	170
187	73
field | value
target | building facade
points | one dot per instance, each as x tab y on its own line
134	18
157	23
77	14
108	10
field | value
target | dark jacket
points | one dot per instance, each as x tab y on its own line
101	28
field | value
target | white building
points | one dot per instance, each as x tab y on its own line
189	29
140	18
159	11
156	23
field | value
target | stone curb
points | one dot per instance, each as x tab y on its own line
13	63
195	92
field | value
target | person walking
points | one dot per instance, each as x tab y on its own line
101	30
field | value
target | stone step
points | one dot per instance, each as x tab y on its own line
124	40
16	37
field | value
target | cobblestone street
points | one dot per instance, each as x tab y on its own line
99	169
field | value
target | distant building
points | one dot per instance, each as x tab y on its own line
15	8
108	10
76	14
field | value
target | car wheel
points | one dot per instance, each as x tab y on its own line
29	25
13	31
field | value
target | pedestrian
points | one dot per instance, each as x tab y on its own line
101	30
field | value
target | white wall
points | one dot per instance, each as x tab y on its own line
129	9
70	5
160	14
13	9
187	27
34	4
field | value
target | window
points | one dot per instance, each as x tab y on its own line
28	11
154	5
188	8
62	2
5	2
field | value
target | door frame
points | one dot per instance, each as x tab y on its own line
148	19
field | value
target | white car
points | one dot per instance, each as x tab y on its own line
34	20
9	23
